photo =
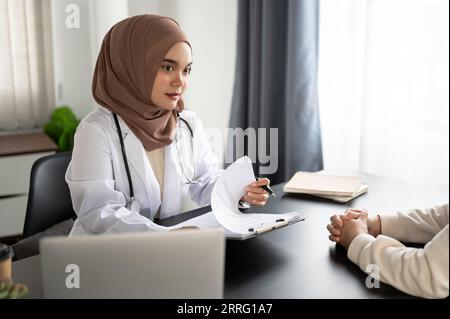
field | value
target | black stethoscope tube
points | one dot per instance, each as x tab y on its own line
124	154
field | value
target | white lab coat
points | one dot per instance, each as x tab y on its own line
98	181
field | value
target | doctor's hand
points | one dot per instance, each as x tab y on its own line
254	194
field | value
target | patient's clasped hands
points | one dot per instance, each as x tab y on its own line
345	227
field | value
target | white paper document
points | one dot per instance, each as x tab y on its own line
227	191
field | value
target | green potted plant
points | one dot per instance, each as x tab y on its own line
61	128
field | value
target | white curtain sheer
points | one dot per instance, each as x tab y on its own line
383	88
26	64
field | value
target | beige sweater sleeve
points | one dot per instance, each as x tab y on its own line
420	272
415	225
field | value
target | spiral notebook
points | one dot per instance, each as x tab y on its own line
323	184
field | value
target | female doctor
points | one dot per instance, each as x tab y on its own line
140	154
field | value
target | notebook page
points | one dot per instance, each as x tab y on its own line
227	191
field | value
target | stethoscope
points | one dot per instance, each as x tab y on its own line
133	205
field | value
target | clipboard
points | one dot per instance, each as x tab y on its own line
262	229
207	220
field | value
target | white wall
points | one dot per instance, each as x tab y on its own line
72	57
76	49
103	15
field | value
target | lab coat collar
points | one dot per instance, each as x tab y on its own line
123	126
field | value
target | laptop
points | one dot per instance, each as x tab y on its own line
181	264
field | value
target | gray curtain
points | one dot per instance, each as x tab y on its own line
276	82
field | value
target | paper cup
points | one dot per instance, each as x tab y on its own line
6	254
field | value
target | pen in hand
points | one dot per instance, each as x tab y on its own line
267	188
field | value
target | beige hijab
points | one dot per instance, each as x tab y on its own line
131	54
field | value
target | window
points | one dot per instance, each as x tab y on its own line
383	88
26	73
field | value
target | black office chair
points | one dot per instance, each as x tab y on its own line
49	201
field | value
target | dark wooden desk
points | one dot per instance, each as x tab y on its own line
297	261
